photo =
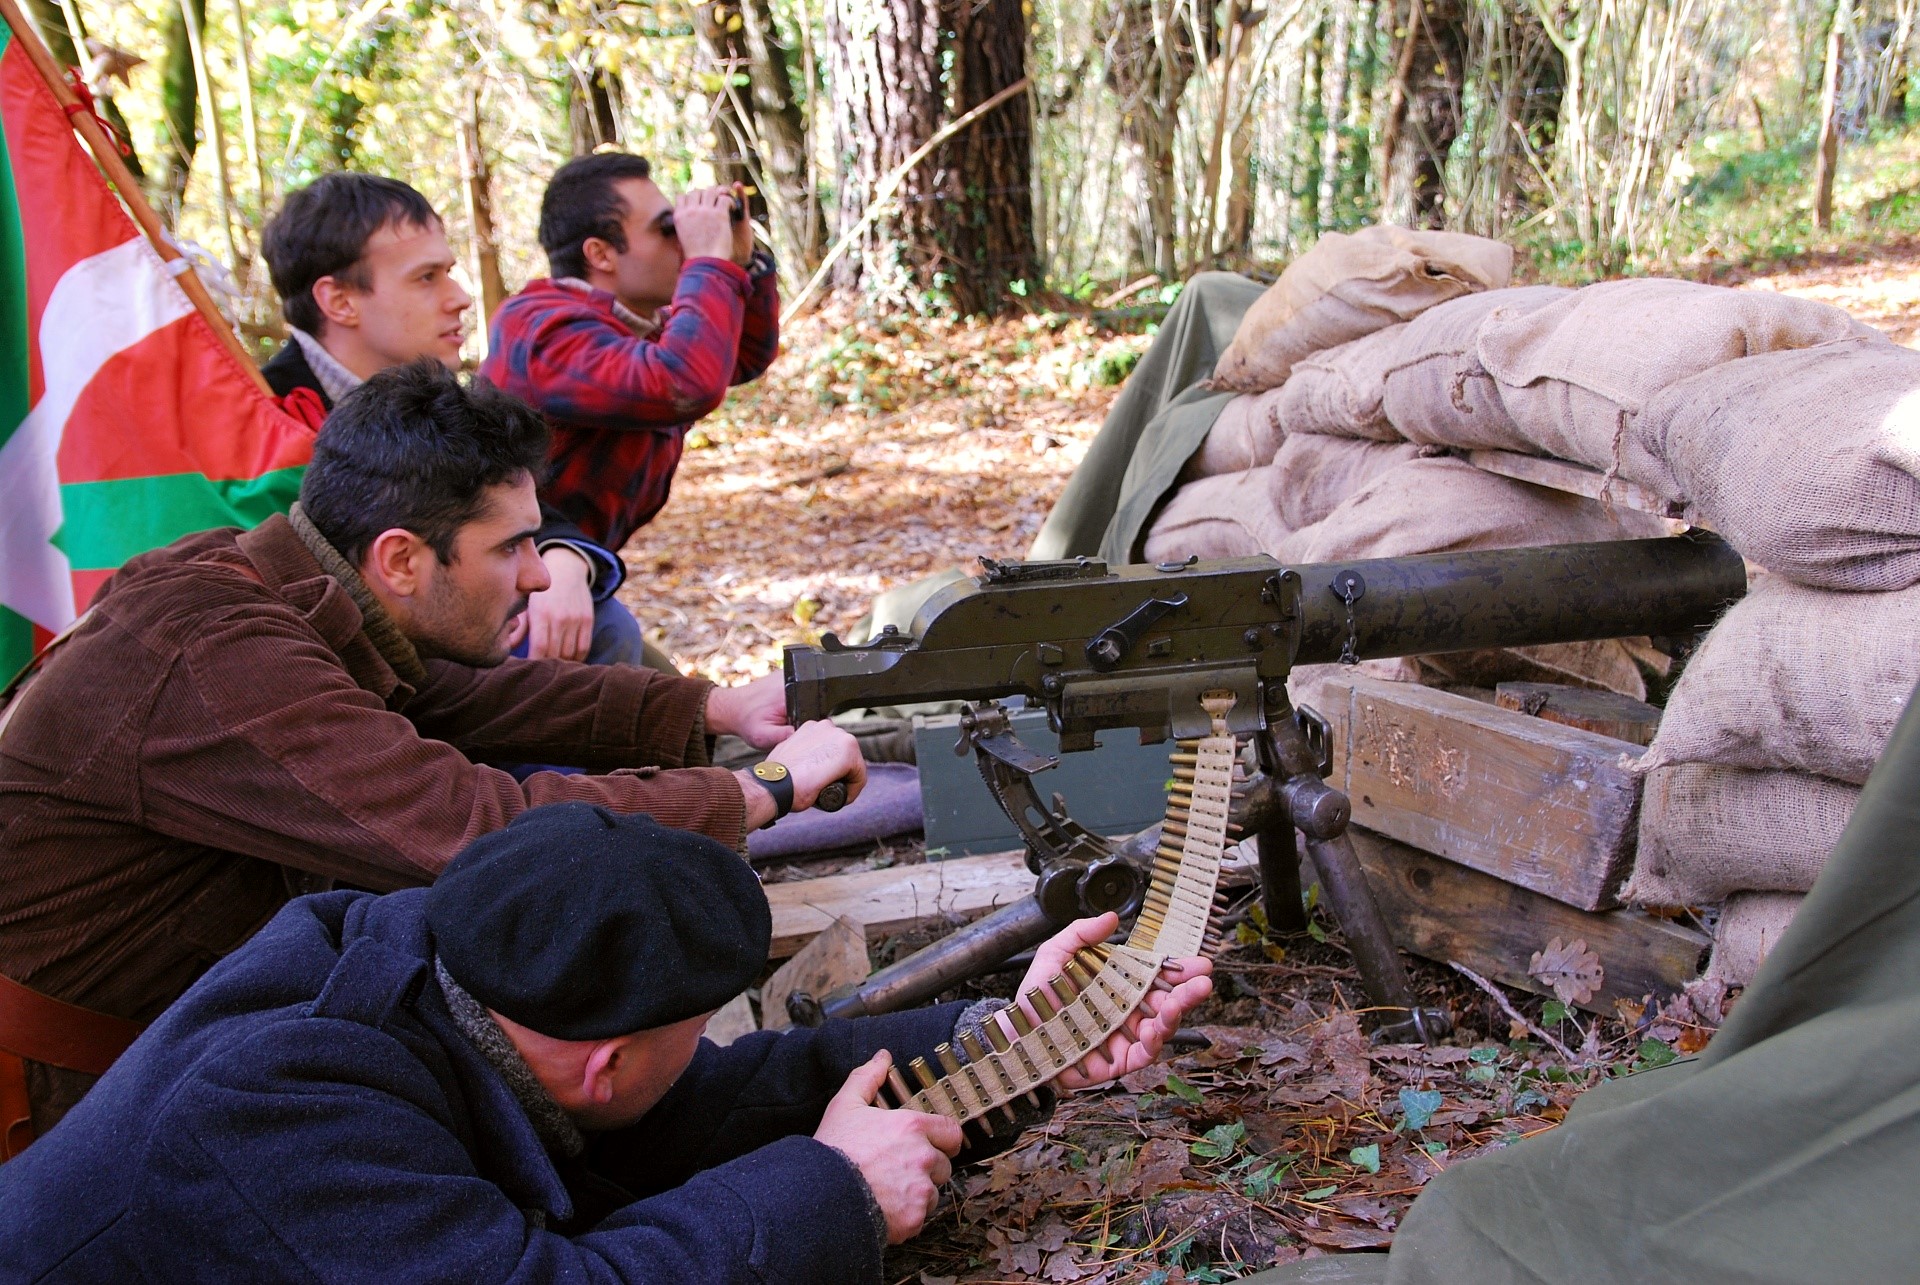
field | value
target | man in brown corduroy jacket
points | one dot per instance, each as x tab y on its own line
243	716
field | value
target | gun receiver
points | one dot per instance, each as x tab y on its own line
1135	646
1104	647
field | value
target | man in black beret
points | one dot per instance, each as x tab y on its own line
502	1076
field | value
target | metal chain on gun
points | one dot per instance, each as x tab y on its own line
1101	985
1348	587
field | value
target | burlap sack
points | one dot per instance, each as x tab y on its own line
1227	516
1707	832
1807	462
1347	286
1339	391
1313	475
1751	925
1247	435
1801	679
1437	391
1438	504
1575	374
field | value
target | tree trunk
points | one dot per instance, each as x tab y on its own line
769	147
1434	106
180	109
476	177
1150	60
885	71
593	109
1827	156
989	165
1333	99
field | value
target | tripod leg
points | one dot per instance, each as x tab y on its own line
1280	879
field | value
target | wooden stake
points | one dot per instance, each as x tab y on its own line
107	157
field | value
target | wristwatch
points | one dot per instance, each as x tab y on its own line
778	782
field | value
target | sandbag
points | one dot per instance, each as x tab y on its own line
1574	374
1751	925
1708	831
1807	462
1339	391
1437	392
1227	516
1313	475
1347	286
1793	678
1247	435
1440	504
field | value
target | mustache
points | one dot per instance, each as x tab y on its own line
519	607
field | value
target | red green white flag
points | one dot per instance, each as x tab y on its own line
125	421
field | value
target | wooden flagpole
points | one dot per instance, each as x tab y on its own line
107	156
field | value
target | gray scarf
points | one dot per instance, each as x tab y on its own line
558	1133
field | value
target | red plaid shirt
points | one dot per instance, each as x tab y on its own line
620	403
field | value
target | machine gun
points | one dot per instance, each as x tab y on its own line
1104	647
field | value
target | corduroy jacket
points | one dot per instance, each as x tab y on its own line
223	732
312	1111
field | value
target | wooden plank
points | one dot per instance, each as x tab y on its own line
1445	911
1577	479
897	898
1608	713
1551	808
831	960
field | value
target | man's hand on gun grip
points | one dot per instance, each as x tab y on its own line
1182	985
905	1156
815	756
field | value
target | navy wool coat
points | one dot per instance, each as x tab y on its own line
309	1111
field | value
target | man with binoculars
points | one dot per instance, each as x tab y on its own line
654	309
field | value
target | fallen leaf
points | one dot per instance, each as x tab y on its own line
1571	970
1346	1233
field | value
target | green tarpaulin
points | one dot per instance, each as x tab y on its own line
1788	1151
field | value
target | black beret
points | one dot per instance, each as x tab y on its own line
584	925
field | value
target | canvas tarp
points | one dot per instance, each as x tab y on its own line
1160	419
1788	1151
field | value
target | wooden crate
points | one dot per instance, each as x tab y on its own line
1550	808
1445	911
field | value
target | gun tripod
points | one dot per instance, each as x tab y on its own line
1079	873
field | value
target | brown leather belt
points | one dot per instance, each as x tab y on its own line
39	1028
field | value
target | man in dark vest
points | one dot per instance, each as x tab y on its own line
366	280
243	716
502	1077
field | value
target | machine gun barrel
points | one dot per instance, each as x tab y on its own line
1081	637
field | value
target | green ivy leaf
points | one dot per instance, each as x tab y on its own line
1553	1012
1319	1193
1417	1107
1186	1092
1367	1157
1656	1052
1485	1054
1221	1141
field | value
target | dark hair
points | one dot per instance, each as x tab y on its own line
581	203
415	448
322	230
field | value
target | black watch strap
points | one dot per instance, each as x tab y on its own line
777	782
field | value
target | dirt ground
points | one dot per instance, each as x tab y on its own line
873	454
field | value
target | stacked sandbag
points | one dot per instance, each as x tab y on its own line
1435	390
1313	475
1229	515
1807	462
1751	925
1340	392
1349	285
1767	738
1247	435
1438	504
